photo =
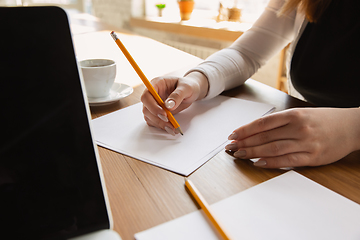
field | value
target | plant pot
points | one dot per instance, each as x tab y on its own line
186	8
234	14
160	12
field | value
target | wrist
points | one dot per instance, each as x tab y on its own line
355	123
202	82
357	120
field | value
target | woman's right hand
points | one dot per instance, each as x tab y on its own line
178	94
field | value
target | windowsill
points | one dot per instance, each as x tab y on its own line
203	28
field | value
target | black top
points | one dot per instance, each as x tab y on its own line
325	65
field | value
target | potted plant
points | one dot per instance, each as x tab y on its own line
186	8
160	7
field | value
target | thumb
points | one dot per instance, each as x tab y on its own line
175	99
170	103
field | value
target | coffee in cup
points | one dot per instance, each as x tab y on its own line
99	76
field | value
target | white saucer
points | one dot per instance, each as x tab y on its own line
117	92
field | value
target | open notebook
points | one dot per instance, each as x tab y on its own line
289	206
206	126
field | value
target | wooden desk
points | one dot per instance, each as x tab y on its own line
143	196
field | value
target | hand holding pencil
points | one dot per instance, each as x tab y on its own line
148	85
179	92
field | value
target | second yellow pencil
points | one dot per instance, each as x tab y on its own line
206	208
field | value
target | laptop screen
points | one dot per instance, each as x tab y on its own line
50	187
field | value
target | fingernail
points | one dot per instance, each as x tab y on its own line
170	131
260	163
240	154
286	168
232	136
162	117
169	103
231	147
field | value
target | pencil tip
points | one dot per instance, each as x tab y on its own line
179	130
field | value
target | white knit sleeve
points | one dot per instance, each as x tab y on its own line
232	66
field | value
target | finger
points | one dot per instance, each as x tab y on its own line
150	119
262	124
168	129
289	160
154	122
149	122
272	149
281	133
152	106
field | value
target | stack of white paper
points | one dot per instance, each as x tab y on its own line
206	126
289	206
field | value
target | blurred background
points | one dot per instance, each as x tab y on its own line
212	24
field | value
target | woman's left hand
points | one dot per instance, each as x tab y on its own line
298	137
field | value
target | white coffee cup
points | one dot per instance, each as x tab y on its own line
99	76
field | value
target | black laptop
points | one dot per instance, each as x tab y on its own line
51	184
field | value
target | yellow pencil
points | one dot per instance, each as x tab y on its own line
206	208
146	82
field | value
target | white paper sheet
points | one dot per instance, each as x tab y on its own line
289	206
206	126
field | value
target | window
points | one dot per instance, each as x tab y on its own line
80	5
250	9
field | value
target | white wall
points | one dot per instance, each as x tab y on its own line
114	12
